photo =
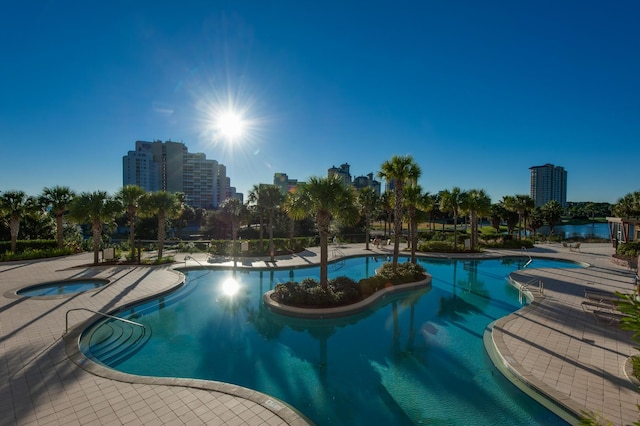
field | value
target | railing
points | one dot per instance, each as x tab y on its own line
66	327
524	249
187	257
525	287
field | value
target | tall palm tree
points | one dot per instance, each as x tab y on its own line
271	199
477	203
57	200
165	206
235	212
96	208
413	199
130	196
451	201
254	198
323	199
400	170
368	201
15	205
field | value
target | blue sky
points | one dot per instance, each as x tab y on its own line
477	92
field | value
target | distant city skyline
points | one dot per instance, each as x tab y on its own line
476	92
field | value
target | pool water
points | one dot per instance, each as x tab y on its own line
414	358
61	288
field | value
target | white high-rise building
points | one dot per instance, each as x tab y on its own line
169	166
548	183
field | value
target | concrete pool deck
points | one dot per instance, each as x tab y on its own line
553	345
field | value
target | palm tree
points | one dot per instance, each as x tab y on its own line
57	200
451	201
368	201
254	198
522	204
270	199
96	208
234	211
386	207
413	199
130	196
16	205
165	206
552	213
477	203
323	199
627	206
400	170
536	221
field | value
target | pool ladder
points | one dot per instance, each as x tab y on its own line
525	287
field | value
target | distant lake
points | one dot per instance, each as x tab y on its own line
591	230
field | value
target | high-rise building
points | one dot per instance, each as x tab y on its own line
169	166
282	181
342	172
548	183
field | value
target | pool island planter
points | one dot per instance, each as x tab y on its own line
342	311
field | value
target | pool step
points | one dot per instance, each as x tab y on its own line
115	341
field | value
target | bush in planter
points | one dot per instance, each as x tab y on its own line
631	249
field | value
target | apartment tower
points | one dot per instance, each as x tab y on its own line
548	183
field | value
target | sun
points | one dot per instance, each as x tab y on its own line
230	125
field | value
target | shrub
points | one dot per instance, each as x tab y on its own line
436	246
631	249
343	290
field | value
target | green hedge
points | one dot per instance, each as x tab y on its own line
24	245
261	248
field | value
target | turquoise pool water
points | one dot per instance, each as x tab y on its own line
415	358
61	288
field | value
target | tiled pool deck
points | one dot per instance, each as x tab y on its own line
553	345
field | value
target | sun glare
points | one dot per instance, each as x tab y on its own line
230	287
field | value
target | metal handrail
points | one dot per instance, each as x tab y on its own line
66	327
528	255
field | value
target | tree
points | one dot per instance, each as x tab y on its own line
452	201
254	198
521	204
270	199
15	205
552	213
628	206
368	201
97	209
386	208
511	216
57	200
477	203
536	220
165	206
323	199
400	171
414	201
130	196
496	213
234	211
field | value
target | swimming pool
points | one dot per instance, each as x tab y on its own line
414	358
61	288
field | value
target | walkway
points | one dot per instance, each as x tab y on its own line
553	345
